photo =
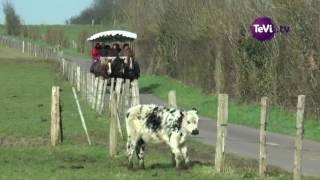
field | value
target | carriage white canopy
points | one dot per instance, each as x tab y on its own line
118	35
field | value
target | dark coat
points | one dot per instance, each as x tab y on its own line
117	68
133	72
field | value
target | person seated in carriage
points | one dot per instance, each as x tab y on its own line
126	51
104	53
115	50
101	66
95	52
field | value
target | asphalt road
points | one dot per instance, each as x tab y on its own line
244	141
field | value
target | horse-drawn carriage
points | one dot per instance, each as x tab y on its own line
114	62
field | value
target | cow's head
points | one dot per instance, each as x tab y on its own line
190	121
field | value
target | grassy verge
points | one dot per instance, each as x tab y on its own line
24	136
280	121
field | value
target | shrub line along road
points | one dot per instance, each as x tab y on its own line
244	141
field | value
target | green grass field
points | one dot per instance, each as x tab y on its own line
24	136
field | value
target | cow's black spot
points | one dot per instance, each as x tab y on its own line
153	121
172	111
140	142
128	114
176	126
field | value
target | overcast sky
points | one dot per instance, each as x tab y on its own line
46	11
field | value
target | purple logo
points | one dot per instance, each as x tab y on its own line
263	29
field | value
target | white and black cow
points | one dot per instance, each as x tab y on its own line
159	124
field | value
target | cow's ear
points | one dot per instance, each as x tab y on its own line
194	109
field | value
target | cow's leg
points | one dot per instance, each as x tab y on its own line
130	150
184	152
173	159
174	145
140	152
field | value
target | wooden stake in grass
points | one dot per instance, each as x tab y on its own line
299	138
23	49
118	93
78	79
113	126
83	89
172	102
103	98
92	78
263	128
221	131
63	67
88	87
99	93
111	92
126	95
81	115
135	93
95	87
118	89
56	129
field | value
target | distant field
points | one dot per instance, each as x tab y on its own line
24	135
71	31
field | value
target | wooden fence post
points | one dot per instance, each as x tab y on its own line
221	131
103	98
56	124
63	67
95	89
263	129
78	78
99	93
299	138
113	127
135	93
92	89
35	51
126	96
83	84
172	102
75	78
118	89
67	70
88	87
71	73
111	92
22	46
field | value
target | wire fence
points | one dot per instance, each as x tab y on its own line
30	48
